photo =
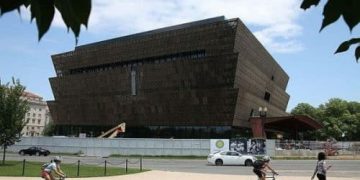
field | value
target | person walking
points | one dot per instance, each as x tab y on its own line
321	168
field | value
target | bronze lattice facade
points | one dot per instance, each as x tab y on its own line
200	79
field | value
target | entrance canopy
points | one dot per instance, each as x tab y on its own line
297	123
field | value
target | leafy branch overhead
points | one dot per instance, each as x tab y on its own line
73	12
333	10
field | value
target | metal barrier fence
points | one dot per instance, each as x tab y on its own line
331	147
125	163
124	146
173	147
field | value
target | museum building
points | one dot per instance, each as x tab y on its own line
203	79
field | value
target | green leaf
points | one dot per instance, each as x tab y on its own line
343	47
357	53
82	9
346	45
74	13
354	41
43	12
351	13
332	12
308	3
10	5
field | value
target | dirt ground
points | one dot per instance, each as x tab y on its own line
167	175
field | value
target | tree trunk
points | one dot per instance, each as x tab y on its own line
3	162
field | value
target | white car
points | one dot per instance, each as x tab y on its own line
230	158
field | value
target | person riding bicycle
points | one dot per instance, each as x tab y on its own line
54	166
260	167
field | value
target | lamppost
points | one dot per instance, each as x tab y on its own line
263	111
262	114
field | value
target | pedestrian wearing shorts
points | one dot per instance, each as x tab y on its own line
321	168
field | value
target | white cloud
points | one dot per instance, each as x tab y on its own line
281	38
275	19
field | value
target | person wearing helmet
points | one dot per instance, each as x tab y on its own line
261	166
266	159
54	166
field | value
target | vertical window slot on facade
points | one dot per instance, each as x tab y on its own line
267	96
133	81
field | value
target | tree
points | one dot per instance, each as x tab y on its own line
12	113
49	129
333	10
337	116
353	107
338	119
73	12
305	109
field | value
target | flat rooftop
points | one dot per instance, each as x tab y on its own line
161	30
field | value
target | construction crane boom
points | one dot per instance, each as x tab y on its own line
114	131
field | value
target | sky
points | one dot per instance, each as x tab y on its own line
290	34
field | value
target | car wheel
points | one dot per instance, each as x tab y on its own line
248	162
37	153
22	153
218	162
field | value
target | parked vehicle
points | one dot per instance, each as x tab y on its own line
230	158
38	151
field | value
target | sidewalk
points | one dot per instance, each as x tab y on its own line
340	157
344	157
166	175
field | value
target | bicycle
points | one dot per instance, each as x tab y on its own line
60	178
271	176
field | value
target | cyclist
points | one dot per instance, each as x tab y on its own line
260	167
54	166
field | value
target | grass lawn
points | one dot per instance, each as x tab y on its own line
162	157
32	169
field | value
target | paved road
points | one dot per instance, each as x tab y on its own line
341	168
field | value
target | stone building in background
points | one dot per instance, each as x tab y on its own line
202	79
37	117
